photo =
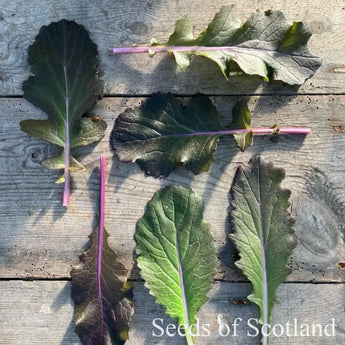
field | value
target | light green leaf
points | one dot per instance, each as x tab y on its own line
244	140
58	162
266	45
43	129
263	232
241	116
176	253
241	119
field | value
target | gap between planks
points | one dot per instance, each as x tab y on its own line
67	279
146	95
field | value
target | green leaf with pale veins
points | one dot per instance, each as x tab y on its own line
161	134
102	311
263	232
65	84
265	45
176	253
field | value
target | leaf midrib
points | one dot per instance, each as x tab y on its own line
234	49
183	292
67	129
181	278
263	257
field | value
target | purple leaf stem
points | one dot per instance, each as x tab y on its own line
256	131
101	229
66	189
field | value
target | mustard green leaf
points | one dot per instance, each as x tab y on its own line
263	231
103	309
162	134
265	45
65	84
176	254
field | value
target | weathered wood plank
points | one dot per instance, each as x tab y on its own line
38	238
127	22
43	310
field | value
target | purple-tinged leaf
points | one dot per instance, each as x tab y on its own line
102	296
65	84
162	134
102	164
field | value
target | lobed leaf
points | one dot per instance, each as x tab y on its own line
265	45
65	84
176	253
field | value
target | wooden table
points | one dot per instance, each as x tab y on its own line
40	241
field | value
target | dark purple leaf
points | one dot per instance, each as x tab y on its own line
102	297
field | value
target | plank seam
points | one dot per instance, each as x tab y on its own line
67	279
144	95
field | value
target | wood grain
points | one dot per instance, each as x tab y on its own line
40	239
128	22
43	313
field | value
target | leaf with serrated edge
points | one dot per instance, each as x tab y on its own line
266	45
105	321
176	253
65	84
263	232
161	134
102	297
